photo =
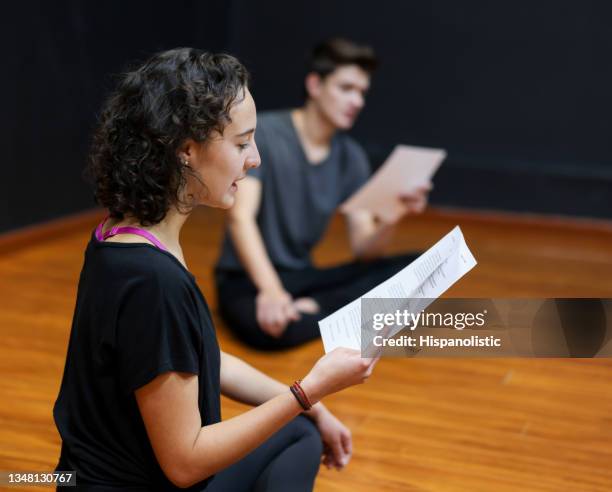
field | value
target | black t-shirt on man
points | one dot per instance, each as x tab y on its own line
139	313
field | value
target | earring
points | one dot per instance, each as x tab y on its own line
186	163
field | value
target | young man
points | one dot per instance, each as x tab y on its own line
270	294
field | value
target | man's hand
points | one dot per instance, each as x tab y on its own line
416	200
369	233
307	305
274	311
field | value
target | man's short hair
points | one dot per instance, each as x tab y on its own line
336	52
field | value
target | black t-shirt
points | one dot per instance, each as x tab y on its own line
139	313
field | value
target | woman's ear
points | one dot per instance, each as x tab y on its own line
187	151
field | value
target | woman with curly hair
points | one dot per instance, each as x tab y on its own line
139	403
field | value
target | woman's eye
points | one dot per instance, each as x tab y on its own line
243	146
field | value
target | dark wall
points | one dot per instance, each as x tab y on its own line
59	69
518	92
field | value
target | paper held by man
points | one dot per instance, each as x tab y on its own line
424	280
406	169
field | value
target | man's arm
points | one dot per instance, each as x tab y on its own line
369	236
274	304
247	238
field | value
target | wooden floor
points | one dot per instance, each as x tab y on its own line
418	425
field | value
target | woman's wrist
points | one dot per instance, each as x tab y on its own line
315	413
312	389
300	395
316	409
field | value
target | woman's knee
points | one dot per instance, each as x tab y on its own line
308	433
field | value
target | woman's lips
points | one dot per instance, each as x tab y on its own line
235	183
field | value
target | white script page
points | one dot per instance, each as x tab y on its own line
426	278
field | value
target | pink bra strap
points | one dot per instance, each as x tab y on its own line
113	231
99	229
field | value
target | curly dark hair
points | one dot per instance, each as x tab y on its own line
180	94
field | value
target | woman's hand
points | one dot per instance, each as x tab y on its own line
337	439
274	311
339	369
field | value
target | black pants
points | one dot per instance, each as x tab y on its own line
289	460
332	288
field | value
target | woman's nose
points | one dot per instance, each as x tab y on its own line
255	159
